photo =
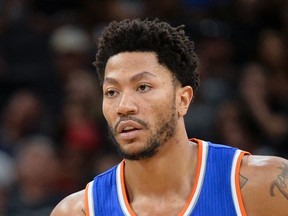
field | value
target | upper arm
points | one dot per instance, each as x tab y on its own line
71	205
266	189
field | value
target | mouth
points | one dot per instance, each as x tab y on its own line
128	129
127	126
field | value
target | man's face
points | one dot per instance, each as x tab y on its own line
139	104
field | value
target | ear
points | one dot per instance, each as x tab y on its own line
185	96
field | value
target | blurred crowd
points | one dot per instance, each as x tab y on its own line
53	137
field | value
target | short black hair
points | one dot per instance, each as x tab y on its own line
171	45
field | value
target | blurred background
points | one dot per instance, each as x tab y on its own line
52	133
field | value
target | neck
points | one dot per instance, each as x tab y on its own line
171	170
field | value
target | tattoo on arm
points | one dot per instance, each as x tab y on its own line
280	182
83	211
243	181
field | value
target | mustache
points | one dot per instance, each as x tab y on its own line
132	118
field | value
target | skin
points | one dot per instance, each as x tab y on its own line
136	85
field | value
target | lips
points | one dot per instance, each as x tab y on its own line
128	126
128	130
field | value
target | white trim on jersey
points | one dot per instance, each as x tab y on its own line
91	199
120	192
200	180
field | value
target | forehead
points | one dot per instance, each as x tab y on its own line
127	64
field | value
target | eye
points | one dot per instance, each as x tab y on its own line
143	87
110	93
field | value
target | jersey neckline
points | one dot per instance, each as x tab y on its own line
194	195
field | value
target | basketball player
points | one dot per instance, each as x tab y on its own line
148	70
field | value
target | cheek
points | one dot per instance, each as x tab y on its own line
157	112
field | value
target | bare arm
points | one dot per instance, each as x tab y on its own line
281	182
264	185
71	205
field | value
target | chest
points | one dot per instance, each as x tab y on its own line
172	205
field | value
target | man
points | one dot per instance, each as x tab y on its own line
148	70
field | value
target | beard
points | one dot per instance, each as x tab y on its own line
164	130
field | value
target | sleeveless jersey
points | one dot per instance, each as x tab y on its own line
216	190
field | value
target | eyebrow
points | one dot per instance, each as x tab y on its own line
134	78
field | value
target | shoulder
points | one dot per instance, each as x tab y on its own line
259	164
265	186
71	205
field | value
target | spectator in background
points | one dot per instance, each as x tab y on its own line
121	9
71	46
35	191
24	37
255	89
272	51
219	75
81	128
21	116
70	49
264	88
235	126
273	54
81	87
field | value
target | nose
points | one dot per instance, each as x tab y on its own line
127	105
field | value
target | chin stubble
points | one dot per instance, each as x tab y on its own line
165	130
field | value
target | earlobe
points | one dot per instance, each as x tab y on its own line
186	95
